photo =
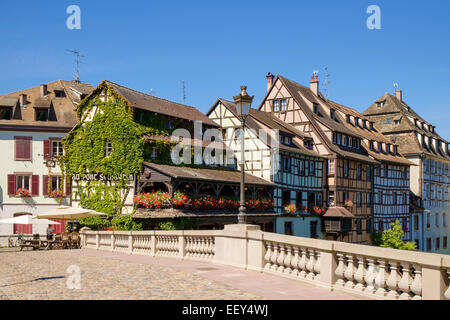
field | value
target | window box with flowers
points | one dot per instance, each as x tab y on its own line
348	204
290	209
23	193
315	211
56	194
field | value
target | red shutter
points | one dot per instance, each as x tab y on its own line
27	149
19	148
11	185
35	185
68	186
47	150
45	185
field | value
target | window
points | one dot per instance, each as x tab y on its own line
276	106
41	114
417	243
23	148
345	196
283	105
359	172
313	229
388	120
55	183
334	138
380	147
444	243
23	182
348	119
371	126
108	149
301	169
372	146
368	174
394	198
359	199
381	225
436	218
359	226
57	148
388	148
5	113
286	198
316	108
155	154
331	167
288	228
346	141
332	114
428	244
428	220
416	223
369	226
60	94
339	138
286	164
309	144
444	219
438	243
312	168
346	168
369	199
364	124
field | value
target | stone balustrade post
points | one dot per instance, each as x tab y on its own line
130	242
97	240
181	246
113	245
153	245
256	251
433	283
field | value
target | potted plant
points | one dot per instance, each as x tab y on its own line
23	193
348	204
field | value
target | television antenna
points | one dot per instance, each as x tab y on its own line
327	82
78	61
396	85
184	92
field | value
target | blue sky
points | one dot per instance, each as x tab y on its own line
216	46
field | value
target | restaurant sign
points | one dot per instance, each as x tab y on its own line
101	177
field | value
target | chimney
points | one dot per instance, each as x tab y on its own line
315	83
270	78
44	91
22	99
399	94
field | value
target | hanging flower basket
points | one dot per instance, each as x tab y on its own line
348	204
23	193
290	209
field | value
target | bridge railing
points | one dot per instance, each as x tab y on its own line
370	272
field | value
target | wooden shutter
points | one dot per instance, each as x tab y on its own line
47	150
45	185
27	149
34	185
11	185
68	186
19	148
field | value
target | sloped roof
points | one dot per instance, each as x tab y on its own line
338	212
405	130
62	110
147	102
256	118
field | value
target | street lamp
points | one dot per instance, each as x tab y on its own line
243	104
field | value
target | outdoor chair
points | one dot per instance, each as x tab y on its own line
76	239
66	240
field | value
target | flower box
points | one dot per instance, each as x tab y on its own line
23	193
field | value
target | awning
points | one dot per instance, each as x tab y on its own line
9	102
69	213
338	212
27	219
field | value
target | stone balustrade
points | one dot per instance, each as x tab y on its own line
366	271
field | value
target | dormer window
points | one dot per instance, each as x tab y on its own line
309	144
332	114
388	148
371	126
388	120
364	124
395	150
357	121
316	108
348	119
371	144
5	113
380	104
41	114
59	93
396	122
380	147
286	140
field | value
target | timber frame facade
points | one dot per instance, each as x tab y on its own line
297	172
345	137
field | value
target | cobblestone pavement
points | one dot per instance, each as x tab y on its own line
42	275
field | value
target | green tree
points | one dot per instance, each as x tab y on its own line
392	238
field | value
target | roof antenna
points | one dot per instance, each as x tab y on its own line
184	92
78	57
326	83
396	86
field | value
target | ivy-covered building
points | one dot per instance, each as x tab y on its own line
119	157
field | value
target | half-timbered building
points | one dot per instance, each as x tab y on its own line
349	168
419	142
279	153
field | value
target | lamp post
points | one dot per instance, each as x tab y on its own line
243	104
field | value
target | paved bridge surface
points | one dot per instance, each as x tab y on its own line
42	275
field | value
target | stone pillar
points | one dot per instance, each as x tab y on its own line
153	245
97	240
113	247
328	266
130	242
235	247
256	251
433	283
